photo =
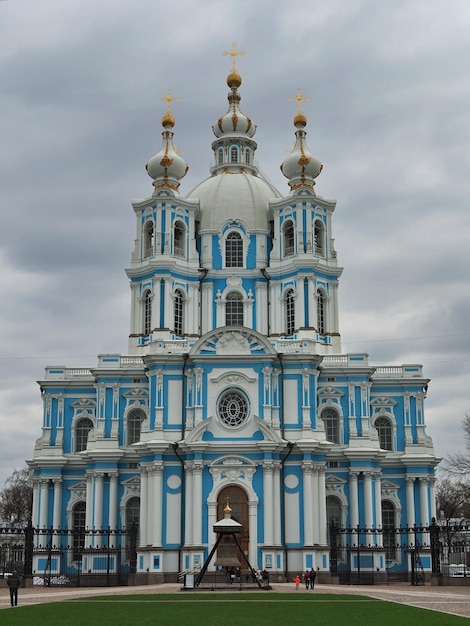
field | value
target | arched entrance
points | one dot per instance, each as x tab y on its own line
238	500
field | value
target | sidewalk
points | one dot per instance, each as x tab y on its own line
453	600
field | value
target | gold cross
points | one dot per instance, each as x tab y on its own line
299	98
234	53
168	99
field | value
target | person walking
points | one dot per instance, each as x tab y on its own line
13	582
297	582
313	575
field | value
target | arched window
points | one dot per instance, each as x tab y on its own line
290	312
147	313
220	156
385	430
234	250
148	238
388	525
178	312
82	430
330	418
320	311
234	309
319	238
134	425
234	154
132	511
288	238
179	239
248	156
333	513
132	523
78	529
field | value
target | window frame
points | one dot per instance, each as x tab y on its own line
147	313
332	420
290	312
234	254
288	238
82	433
385	432
178	312
234	313
179	239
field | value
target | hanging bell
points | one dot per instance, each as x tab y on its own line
227	554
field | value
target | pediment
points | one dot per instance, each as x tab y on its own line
232	341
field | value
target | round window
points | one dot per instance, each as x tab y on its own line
233	408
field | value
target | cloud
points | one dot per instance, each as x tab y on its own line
388	117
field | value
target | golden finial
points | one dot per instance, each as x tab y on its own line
234	53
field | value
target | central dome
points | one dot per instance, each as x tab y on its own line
236	195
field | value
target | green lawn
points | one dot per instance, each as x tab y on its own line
240	609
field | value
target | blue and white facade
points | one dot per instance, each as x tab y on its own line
234	386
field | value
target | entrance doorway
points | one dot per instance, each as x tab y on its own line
237	498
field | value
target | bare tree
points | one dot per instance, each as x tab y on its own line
16	499
458	464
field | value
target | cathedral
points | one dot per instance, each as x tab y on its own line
234	388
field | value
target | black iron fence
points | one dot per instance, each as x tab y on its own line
359	555
367	555
51	556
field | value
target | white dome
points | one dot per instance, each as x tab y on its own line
234	195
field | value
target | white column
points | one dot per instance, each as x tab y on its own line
378	508
89	507
98	507
44	506
188	517
368	512
353	500
277	504
157	501
212	506
322	506
423	501
252	525
144	487
151	513
197	503
308	505
432	496
35	511
300	304
113	500
423	505
410	502
317	522
57	502
312	308
268	502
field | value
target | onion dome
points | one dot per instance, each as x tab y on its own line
234	121
301	167
167	167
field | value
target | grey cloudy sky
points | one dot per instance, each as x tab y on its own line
388	116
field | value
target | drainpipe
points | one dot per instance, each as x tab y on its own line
183	397
202	274
183	505
268	280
